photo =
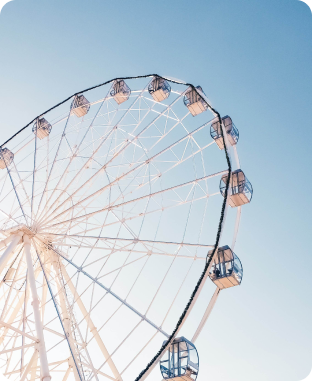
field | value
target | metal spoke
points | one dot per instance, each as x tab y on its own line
79	269
138	199
101	190
115	156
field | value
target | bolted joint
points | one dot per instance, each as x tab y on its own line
35	303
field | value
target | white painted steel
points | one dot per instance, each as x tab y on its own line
15	240
236	157
138	199
206	314
16	348
118	179
33	371
9	326
13	314
238	218
66	318
29	365
91	326
35	303
239	208
115	296
89	160
67	374
5	242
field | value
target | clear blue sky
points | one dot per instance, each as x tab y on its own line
253	60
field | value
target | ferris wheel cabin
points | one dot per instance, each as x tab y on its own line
180	362
194	102
6	157
42	128
159	89
120	91
231	130
80	106
226	270
240	188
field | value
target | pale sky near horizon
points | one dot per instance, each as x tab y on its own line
253	59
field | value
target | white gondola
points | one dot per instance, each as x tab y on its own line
80	106
226	270
6	157
159	89
194	102
231	130
120	91
180	362
42	128
240	189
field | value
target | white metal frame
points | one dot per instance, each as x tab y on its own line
54	214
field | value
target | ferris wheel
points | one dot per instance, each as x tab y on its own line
113	216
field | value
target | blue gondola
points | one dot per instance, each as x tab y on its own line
42	128
240	189
120	91
6	158
159	89
194	101
80	105
227	269
180	362
231	130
